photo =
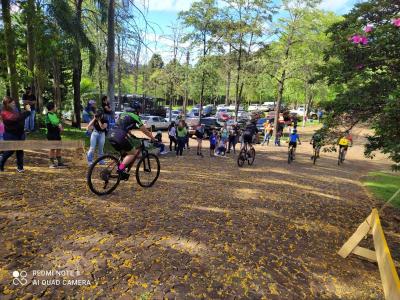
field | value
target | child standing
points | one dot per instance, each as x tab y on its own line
199	136
182	136
159	144
54	129
213	142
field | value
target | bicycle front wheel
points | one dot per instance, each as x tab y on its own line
102	176
251	156
148	170
241	158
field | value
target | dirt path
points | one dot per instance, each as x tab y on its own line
207	229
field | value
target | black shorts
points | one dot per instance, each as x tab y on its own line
120	140
248	138
212	147
54	136
294	144
344	147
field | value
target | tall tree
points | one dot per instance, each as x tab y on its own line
9	38
202	18
70	21
290	32
247	20
111	53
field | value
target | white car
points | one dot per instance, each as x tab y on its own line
155	122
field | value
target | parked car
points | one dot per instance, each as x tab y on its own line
155	122
222	116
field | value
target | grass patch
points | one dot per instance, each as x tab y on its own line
383	185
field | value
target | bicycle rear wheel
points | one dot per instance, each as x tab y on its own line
102	176
290	155
241	157
251	156
315	156
148	170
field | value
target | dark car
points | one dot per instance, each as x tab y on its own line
209	125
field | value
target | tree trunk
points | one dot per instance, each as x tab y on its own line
77	71
228	78
30	38
279	101
111	53
9	40
237	90
119	71
76	82
56	82
281	84
136	73
185	99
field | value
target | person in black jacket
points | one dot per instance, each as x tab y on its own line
14	122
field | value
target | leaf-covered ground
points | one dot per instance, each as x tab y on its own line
207	229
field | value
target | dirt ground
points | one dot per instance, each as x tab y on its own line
206	229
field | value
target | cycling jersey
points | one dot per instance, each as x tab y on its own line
251	128
344	141
119	137
293	138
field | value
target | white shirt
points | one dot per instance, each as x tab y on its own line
172	132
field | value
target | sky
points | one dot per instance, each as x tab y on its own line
163	14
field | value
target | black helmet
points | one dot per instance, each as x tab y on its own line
136	105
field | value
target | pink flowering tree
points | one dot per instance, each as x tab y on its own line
364	68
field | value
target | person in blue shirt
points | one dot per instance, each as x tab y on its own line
293	138
213	142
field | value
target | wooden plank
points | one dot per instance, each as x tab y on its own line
366	253
387	269
356	238
39	145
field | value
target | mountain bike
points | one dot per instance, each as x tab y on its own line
246	153
341	155
290	154
317	149
103	176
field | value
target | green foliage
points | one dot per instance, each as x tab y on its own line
366	77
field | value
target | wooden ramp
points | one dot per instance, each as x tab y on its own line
381	255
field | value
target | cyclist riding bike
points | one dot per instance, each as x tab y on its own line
293	138
344	143
122	139
251	130
316	142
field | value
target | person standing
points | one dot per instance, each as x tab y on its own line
29	98
199	136
99	125
54	129
267	130
233	133
14	122
172	136
89	111
181	132
213	142
108	113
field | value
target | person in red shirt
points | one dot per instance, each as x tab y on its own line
14	122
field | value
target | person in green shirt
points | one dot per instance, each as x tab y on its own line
54	129
181	133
